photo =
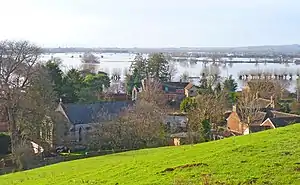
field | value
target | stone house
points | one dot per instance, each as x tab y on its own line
81	119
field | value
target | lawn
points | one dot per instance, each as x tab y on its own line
270	157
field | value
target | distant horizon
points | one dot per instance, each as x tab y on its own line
267	45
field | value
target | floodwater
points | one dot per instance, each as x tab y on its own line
120	63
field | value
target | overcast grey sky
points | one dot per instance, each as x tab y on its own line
151	23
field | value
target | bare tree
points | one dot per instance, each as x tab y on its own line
88	68
139	126
153	92
89	57
172	70
267	88
208	108
36	109
248	109
26	94
184	77
17	60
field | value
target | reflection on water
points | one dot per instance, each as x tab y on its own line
120	63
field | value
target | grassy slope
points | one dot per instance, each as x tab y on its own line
271	157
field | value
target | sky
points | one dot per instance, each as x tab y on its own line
151	23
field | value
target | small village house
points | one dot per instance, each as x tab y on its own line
276	122
263	120
190	90
81	118
175	92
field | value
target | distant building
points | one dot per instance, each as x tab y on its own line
263	120
81	118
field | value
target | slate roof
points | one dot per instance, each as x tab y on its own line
283	114
176	84
174	87
95	112
284	121
259	118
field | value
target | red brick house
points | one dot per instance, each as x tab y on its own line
264	119
238	127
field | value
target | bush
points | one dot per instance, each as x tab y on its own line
4	143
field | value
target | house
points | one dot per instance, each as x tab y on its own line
236	125
276	122
81	118
175	92
261	121
190	90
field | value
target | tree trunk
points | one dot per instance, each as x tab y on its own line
14	135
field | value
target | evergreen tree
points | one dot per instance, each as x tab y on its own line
158	67
230	84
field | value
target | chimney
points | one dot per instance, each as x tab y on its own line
272	102
234	108
271	98
248	120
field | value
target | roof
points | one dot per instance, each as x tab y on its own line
259	118
284	121
174	87
176	84
283	114
95	112
256	128
263	103
189	86
256	119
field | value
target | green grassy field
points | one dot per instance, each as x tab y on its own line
271	157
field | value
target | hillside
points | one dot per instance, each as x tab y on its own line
271	157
